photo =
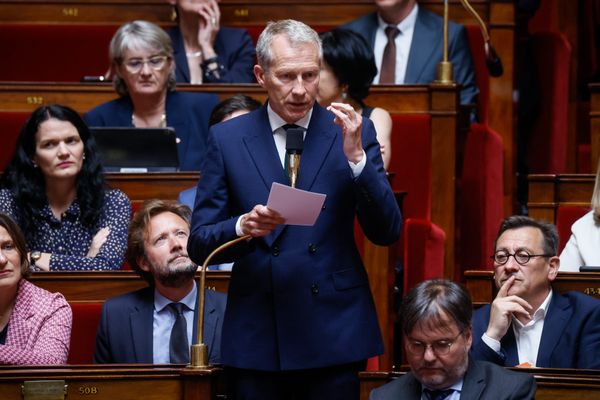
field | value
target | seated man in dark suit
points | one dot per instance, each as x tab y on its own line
528	322
418	45
436	325
157	324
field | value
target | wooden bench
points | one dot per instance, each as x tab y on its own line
551	383
480	284
109	382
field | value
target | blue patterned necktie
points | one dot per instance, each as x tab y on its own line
179	349
437	394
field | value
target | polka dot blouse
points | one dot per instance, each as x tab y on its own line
69	241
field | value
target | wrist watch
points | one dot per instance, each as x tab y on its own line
33	257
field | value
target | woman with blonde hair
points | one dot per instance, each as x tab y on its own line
583	247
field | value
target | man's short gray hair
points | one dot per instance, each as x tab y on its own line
139	34
296	32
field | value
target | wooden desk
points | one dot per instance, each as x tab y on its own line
480	284
548	192
122	382
551	383
97	286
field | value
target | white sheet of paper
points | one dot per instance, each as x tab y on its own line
297	206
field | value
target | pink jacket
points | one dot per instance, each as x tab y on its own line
39	328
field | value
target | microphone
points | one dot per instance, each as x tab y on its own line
493	61
294	144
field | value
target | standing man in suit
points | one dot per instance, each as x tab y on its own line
528	322
139	327
419	44
300	319
436	327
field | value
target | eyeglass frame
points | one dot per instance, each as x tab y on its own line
145	61
428	345
514	256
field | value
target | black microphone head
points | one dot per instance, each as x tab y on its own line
493	61
294	140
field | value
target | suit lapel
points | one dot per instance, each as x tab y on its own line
555	322
372	25
317	144
179	122
419	56
473	382
181	64
141	321
509	345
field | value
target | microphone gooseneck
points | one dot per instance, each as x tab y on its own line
294	145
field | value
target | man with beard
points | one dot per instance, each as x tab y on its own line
157	324
436	325
529	323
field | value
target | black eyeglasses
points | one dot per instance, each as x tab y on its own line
521	257
440	347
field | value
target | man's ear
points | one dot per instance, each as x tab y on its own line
142	262
553	265
259	74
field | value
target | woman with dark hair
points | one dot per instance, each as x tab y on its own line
347	70
35	325
141	54
54	188
205	51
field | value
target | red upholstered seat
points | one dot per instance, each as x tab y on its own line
423	252
86	318
10	126
565	218
481	198
482	76
53	53
411	162
548	140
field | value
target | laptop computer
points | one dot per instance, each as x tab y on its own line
137	149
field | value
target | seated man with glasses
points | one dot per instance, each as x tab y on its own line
436	326
528	323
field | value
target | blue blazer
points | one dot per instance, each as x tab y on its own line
298	298
570	338
426	50
483	380
125	331
187	113
235	52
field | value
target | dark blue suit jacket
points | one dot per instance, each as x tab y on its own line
187	113
235	52
426	50
125	331
482	380
570	339
298	298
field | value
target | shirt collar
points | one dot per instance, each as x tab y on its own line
538	315
406	24
160	301
277	122
456	387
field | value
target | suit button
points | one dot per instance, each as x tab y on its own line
275	251
314	289
312	248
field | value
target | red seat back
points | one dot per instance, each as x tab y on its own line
548	140
565	218
423	252
86	318
10	126
54	53
482	76
411	163
481	198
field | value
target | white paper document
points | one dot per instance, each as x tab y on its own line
297	206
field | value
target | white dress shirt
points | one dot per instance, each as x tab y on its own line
527	337
403	42
164	321
279	136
